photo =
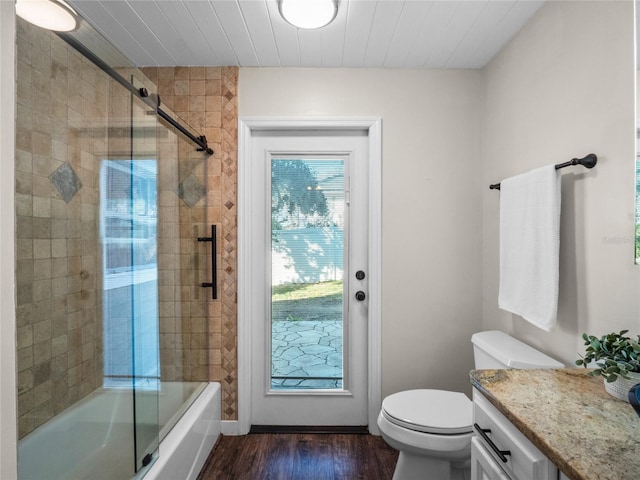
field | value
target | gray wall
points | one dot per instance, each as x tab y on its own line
564	87
431	202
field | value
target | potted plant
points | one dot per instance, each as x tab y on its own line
617	360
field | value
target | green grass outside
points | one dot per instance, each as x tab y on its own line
306	291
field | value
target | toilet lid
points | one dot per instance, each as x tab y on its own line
430	411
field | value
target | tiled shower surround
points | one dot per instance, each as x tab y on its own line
61	98
68	120
206	97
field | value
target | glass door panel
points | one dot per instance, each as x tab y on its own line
143	196
128	229
307	282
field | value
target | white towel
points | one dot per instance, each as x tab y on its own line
530	245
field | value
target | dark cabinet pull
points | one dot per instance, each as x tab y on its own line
500	453
214	263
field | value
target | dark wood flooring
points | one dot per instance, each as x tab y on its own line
300	456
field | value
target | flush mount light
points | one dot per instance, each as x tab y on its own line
308	13
50	14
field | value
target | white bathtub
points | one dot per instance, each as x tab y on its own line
93	439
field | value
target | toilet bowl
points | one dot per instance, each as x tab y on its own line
432	429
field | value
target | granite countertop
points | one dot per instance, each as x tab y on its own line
584	431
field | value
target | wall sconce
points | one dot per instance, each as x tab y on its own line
49	14
308	14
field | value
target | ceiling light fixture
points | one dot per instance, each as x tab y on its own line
308	14
50	14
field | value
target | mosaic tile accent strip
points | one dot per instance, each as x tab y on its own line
229	181
66	181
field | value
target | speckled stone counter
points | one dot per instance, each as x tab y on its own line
585	432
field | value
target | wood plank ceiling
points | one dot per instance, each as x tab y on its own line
365	33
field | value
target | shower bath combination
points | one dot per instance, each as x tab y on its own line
113	323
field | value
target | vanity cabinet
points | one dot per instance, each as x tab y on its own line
499	451
483	465
568	418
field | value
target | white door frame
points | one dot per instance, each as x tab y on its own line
8	397
246	126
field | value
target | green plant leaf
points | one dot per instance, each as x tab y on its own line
614	353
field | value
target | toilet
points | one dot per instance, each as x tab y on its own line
432	429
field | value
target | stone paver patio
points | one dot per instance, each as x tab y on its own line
307	348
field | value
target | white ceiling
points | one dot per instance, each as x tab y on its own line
365	33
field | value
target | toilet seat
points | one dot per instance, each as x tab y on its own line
437	412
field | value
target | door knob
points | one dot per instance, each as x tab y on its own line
360	295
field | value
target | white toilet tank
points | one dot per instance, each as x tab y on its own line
495	349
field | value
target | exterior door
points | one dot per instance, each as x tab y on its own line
309	247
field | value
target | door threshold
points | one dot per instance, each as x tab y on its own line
346	429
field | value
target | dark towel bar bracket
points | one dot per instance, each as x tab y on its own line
213	284
588	162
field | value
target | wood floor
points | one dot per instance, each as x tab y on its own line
300	456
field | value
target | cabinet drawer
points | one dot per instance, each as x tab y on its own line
483	465
525	461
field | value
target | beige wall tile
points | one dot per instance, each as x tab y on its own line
58	267
52	78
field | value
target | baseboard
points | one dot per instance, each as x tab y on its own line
230	427
347	429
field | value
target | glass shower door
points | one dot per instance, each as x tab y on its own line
110	203
144	247
129	218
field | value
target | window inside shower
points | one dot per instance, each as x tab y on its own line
128	233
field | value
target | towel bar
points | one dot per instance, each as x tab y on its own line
588	162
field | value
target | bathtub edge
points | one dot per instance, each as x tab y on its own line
185	449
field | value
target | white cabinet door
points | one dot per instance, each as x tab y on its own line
525	461
483	466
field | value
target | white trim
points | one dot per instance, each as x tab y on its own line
8	415
247	125
185	449
244	268
230	427
375	274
